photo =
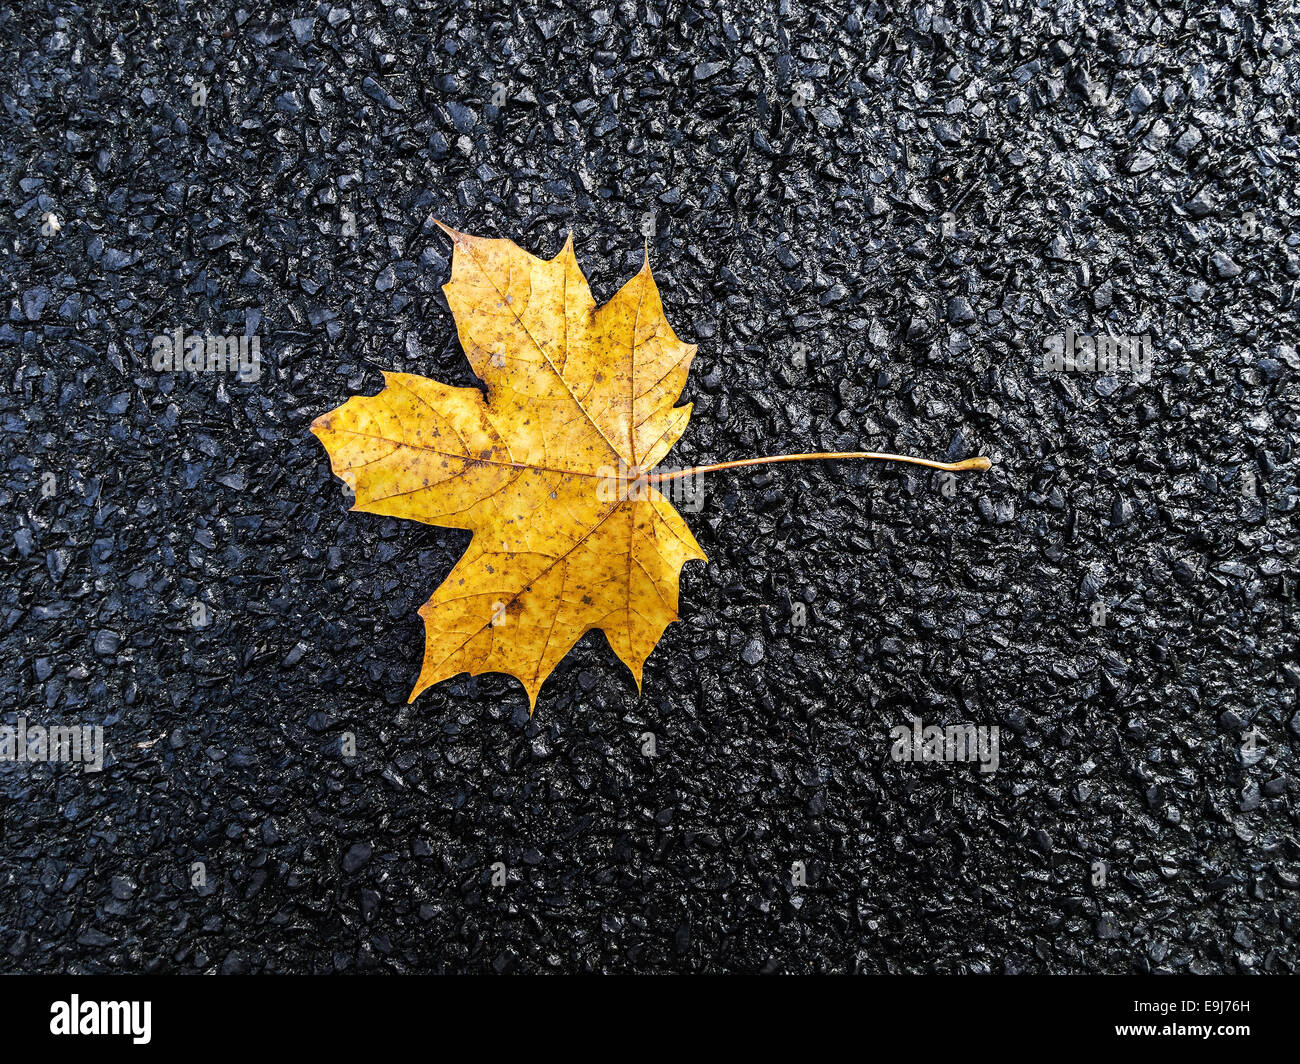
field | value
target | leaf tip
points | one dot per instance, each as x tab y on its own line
638	669
456	236
566	256
421	684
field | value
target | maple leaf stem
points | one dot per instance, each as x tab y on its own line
966	466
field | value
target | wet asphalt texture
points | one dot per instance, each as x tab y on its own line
910	203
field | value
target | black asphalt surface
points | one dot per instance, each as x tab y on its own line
919	197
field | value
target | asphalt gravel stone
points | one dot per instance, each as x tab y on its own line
873	219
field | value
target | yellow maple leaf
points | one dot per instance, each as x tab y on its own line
576	396
555	472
